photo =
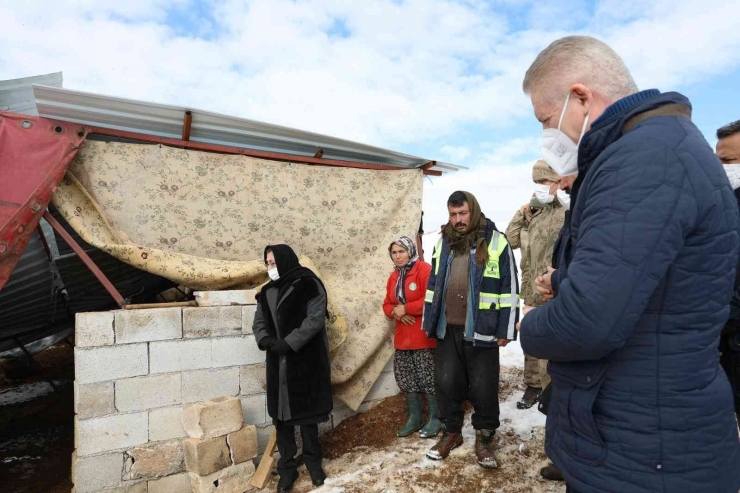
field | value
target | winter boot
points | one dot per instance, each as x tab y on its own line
551	472
431	429
285	483
318	478
445	445
485	448
416	418
530	398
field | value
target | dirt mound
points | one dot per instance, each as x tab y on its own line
363	454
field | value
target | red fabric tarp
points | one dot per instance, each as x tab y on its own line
34	153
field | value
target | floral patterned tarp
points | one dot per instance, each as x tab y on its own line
203	219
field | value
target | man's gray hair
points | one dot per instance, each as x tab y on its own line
579	59
728	130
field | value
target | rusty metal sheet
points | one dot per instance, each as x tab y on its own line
34	153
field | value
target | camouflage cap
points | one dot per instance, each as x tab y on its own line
542	171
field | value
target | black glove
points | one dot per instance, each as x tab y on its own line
267	343
280	347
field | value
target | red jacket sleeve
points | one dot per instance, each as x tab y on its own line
387	304
416	308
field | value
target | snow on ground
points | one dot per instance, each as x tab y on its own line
24	393
402	467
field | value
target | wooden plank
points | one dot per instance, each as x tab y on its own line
262	474
160	305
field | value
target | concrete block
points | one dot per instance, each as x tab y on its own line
212	321
94	400
165	424
96	435
95	473
233	479
340	413
388	366
385	386
204	385
143	393
154	460
210	419
94	329
326	426
179	483
110	363
226	298
204	457
254	409
243	444
252	380
128	487
172	356
234	351
248	318
154	324
264	432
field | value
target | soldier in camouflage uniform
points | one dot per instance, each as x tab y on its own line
536	227
517	232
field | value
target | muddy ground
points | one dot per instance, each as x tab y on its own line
36	423
363	454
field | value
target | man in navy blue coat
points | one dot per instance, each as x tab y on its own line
639	401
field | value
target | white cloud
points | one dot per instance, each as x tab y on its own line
455	154
398	73
385	72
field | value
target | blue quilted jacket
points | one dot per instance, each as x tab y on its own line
647	265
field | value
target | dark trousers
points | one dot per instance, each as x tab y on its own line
464	372
288	449
730	361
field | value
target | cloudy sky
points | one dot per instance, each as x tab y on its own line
436	78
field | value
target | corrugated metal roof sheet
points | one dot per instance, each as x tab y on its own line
16	95
207	127
32	299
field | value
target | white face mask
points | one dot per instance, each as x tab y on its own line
733	173
273	273
542	192
564	199
558	150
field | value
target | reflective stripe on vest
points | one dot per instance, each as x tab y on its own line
430	296
437	255
495	249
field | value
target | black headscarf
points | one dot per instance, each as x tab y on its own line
289	269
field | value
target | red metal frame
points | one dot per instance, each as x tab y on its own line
186	123
275	156
43	240
86	259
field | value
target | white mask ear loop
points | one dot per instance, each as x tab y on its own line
583	130
562	113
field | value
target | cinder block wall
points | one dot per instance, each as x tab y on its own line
135	369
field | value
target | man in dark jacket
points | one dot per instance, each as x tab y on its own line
290	324
639	401
728	152
472	308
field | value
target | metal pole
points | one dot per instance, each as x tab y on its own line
86	259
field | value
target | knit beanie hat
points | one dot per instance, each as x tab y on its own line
542	171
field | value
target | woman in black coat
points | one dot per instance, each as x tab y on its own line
290	324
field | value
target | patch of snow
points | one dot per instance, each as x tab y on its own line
512	355
24	393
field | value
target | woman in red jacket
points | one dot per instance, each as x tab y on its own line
413	363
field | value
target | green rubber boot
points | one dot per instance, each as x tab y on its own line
416	417
434	425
